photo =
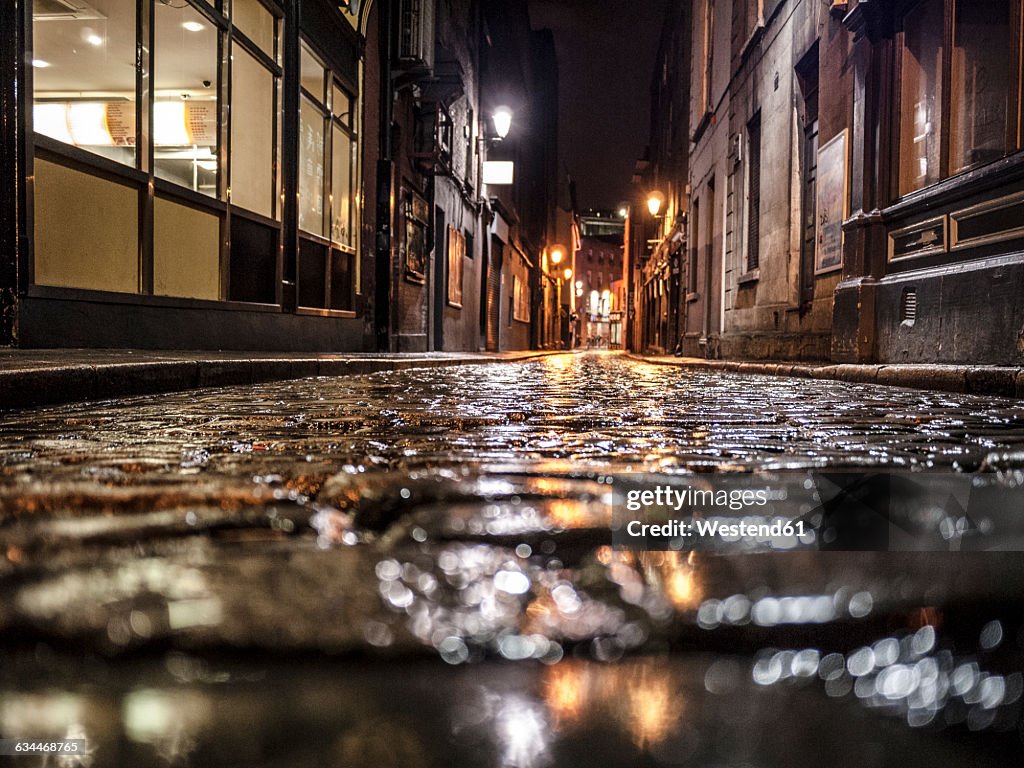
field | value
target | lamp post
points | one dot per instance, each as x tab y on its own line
556	255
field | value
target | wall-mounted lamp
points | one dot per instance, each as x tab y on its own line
502	118
654	202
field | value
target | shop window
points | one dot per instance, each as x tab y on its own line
311	167
977	122
253	134
84	76
983	82
185	79
328	175
252	19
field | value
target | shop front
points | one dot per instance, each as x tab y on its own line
186	174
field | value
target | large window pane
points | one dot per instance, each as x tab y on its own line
185	113
921	96
252	134
256	22
311	168
312	74
84	76
983	70
342	150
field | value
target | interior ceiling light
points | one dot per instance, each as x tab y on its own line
193	26
40	64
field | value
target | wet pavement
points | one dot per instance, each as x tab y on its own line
415	568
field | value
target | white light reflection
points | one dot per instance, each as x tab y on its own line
907	677
521	728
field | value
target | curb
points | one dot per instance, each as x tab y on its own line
63	384
963	379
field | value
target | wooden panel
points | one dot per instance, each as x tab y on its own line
186	251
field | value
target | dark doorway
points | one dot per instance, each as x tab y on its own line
494	294
807	76
440	277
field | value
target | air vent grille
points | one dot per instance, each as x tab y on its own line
908	306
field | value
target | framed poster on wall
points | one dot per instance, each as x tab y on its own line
416	221
833	193
456	250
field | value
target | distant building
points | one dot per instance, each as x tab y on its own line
598	278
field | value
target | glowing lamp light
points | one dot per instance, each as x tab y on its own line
193	26
502	121
88	123
654	202
556	256
568	274
40	63
52	120
169	124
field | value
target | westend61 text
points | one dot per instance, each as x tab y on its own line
708	528
666	496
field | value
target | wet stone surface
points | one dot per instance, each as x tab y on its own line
416	568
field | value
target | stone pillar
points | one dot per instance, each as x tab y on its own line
853	315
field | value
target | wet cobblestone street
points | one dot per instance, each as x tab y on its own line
415	569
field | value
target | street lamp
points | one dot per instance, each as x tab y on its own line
557	254
502	121
568	274
654	202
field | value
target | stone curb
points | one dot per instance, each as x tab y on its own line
59	384
974	380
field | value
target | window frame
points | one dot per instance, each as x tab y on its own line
1015	94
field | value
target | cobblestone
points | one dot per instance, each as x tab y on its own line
397	523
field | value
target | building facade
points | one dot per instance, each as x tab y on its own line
873	220
250	174
933	266
658	244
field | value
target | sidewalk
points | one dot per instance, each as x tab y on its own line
51	376
969	379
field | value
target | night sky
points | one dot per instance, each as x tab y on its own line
606	55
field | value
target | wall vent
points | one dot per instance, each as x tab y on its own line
908	306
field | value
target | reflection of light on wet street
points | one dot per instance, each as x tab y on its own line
434	548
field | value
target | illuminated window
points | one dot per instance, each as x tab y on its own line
328	182
84	77
186	143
